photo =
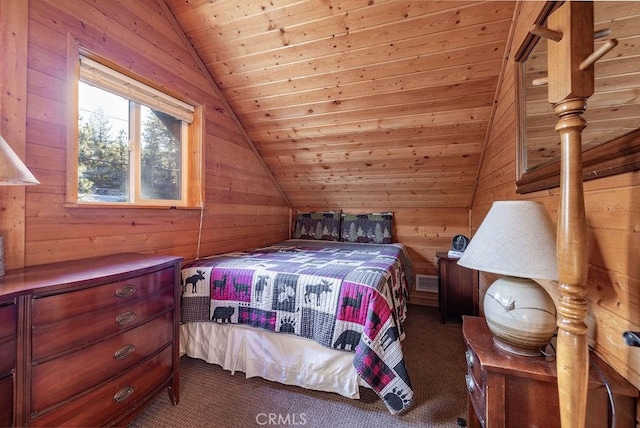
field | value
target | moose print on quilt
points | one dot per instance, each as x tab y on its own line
345	296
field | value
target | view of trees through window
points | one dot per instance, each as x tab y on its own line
161	155
105	160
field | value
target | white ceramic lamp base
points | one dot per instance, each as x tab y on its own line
520	314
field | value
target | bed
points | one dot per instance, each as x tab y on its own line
319	314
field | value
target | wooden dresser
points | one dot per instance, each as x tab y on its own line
8	358
457	288
96	339
507	390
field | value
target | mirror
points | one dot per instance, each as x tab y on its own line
611	140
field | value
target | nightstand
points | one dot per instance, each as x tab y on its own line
507	390
457	288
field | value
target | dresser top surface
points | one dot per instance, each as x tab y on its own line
479	338
77	272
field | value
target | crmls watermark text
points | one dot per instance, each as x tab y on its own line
289	419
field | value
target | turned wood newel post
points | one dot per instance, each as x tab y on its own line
572	256
569	88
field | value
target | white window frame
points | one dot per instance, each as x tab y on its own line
97	74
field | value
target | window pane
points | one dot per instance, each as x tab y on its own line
161	155
103	150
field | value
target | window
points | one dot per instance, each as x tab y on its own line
135	144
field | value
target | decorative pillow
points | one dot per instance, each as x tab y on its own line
373	228
322	225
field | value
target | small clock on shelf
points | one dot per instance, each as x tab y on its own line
459	243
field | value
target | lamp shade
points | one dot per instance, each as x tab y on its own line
12	170
516	238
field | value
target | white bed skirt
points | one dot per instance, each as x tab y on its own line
283	358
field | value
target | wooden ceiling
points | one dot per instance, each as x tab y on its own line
358	102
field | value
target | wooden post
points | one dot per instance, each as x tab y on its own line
572	352
569	88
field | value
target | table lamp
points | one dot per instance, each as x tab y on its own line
516	239
12	170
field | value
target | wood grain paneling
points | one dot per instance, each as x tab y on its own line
340	96
13	106
243	206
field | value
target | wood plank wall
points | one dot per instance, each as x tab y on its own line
243	206
14	17
613	217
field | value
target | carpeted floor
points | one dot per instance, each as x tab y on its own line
212	397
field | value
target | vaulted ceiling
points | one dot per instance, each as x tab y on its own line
358	102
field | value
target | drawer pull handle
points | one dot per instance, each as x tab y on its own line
123	394
126	318
124	352
469	358
470	383
126	291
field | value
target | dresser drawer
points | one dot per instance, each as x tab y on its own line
56	338
104	404
8	318
62	378
63	306
475	382
477	398
8	332
7	355
473	367
6	398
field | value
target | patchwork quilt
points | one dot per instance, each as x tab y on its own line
345	296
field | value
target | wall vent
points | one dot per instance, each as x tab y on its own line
427	283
